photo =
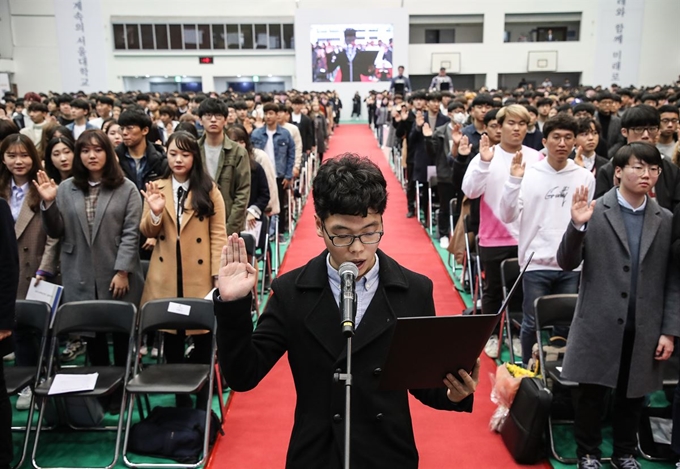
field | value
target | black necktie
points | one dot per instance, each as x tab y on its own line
181	193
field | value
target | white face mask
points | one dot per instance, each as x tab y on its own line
459	118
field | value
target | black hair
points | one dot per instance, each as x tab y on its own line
584	125
7	128
285	108
419	94
643	151
560	121
212	106
200	183
238	133
143	97
490	116
349	185
50	169
482	99
37	107
106	125
65	98
105	100
184	96
134	116
565	108
669	108
531	109
112	176
434	96
624	92
604	95
649	97
154	134
81	104
453	105
169	110
33	198
270	107
587	107
240	105
187	127
639	116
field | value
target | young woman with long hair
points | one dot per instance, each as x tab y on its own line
96	214
58	160
38	254
185	213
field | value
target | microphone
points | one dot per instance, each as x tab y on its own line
348	275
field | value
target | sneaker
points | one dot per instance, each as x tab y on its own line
73	349
491	347
410	214
189	349
588	462
444	242
516	347
143	351
24	399
8	358
154	352
625	462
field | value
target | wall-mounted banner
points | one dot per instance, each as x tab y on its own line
619	35
82	53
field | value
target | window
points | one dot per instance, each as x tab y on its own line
161	31
261	37
204	36
275	36
247	36
147	36
190	36
218	36
176	36
233	36
119	36
440	36
132	34
446	29
288	42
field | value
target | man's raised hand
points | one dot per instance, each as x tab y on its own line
581	210
517	166
237	275
427	130
486	150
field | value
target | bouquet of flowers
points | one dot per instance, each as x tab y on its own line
505	386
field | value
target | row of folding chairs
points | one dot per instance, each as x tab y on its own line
132	380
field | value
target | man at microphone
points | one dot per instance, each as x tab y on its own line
302	318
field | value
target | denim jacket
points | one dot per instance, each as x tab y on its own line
284	149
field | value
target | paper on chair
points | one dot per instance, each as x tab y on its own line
559	368
73	383
179	308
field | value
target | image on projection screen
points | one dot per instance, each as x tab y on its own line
351	52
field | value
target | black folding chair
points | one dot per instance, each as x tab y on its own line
105	316
262	253
512	316
34	317
554	311
251	246
453	212
175	378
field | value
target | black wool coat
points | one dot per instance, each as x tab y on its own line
302	318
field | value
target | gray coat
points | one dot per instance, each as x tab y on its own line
596	335
88	266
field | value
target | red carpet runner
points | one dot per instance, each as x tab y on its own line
259	422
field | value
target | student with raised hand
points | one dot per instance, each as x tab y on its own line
96	215
38	253
628	310
485	178
302	319
538	198
185	212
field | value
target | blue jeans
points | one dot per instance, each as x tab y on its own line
537	283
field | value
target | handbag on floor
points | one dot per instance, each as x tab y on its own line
524	429
173	433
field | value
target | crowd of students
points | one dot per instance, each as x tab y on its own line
585	178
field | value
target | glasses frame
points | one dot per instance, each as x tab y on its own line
641	170
640	130
354	237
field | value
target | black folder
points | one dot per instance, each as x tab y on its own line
425	349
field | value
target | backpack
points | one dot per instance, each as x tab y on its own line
173	433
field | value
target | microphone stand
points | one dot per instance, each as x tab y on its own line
348	331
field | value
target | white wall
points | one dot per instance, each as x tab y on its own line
35	55
465	33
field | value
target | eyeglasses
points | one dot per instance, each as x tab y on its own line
640	170
651	130
669	121
557	138
209	116
340	241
